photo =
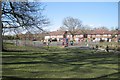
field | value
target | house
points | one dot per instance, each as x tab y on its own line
91	35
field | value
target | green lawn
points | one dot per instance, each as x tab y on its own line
58	62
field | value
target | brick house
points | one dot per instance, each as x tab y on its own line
92	35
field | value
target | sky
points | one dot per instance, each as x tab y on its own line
94	14
73	0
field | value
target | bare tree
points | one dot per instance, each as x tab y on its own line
71	24
85	28
23	16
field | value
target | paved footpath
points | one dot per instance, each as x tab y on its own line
90	48
80	47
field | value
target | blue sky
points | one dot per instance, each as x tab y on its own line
95	14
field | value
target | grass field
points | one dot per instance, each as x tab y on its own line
55	62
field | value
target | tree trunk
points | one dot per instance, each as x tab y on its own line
73	37
0	40
1	48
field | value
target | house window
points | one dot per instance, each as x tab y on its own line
109	35
97	35
104	35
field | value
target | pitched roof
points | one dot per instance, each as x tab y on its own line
96	31
101	31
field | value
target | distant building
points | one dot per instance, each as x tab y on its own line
92	35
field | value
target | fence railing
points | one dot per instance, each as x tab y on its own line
41	44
